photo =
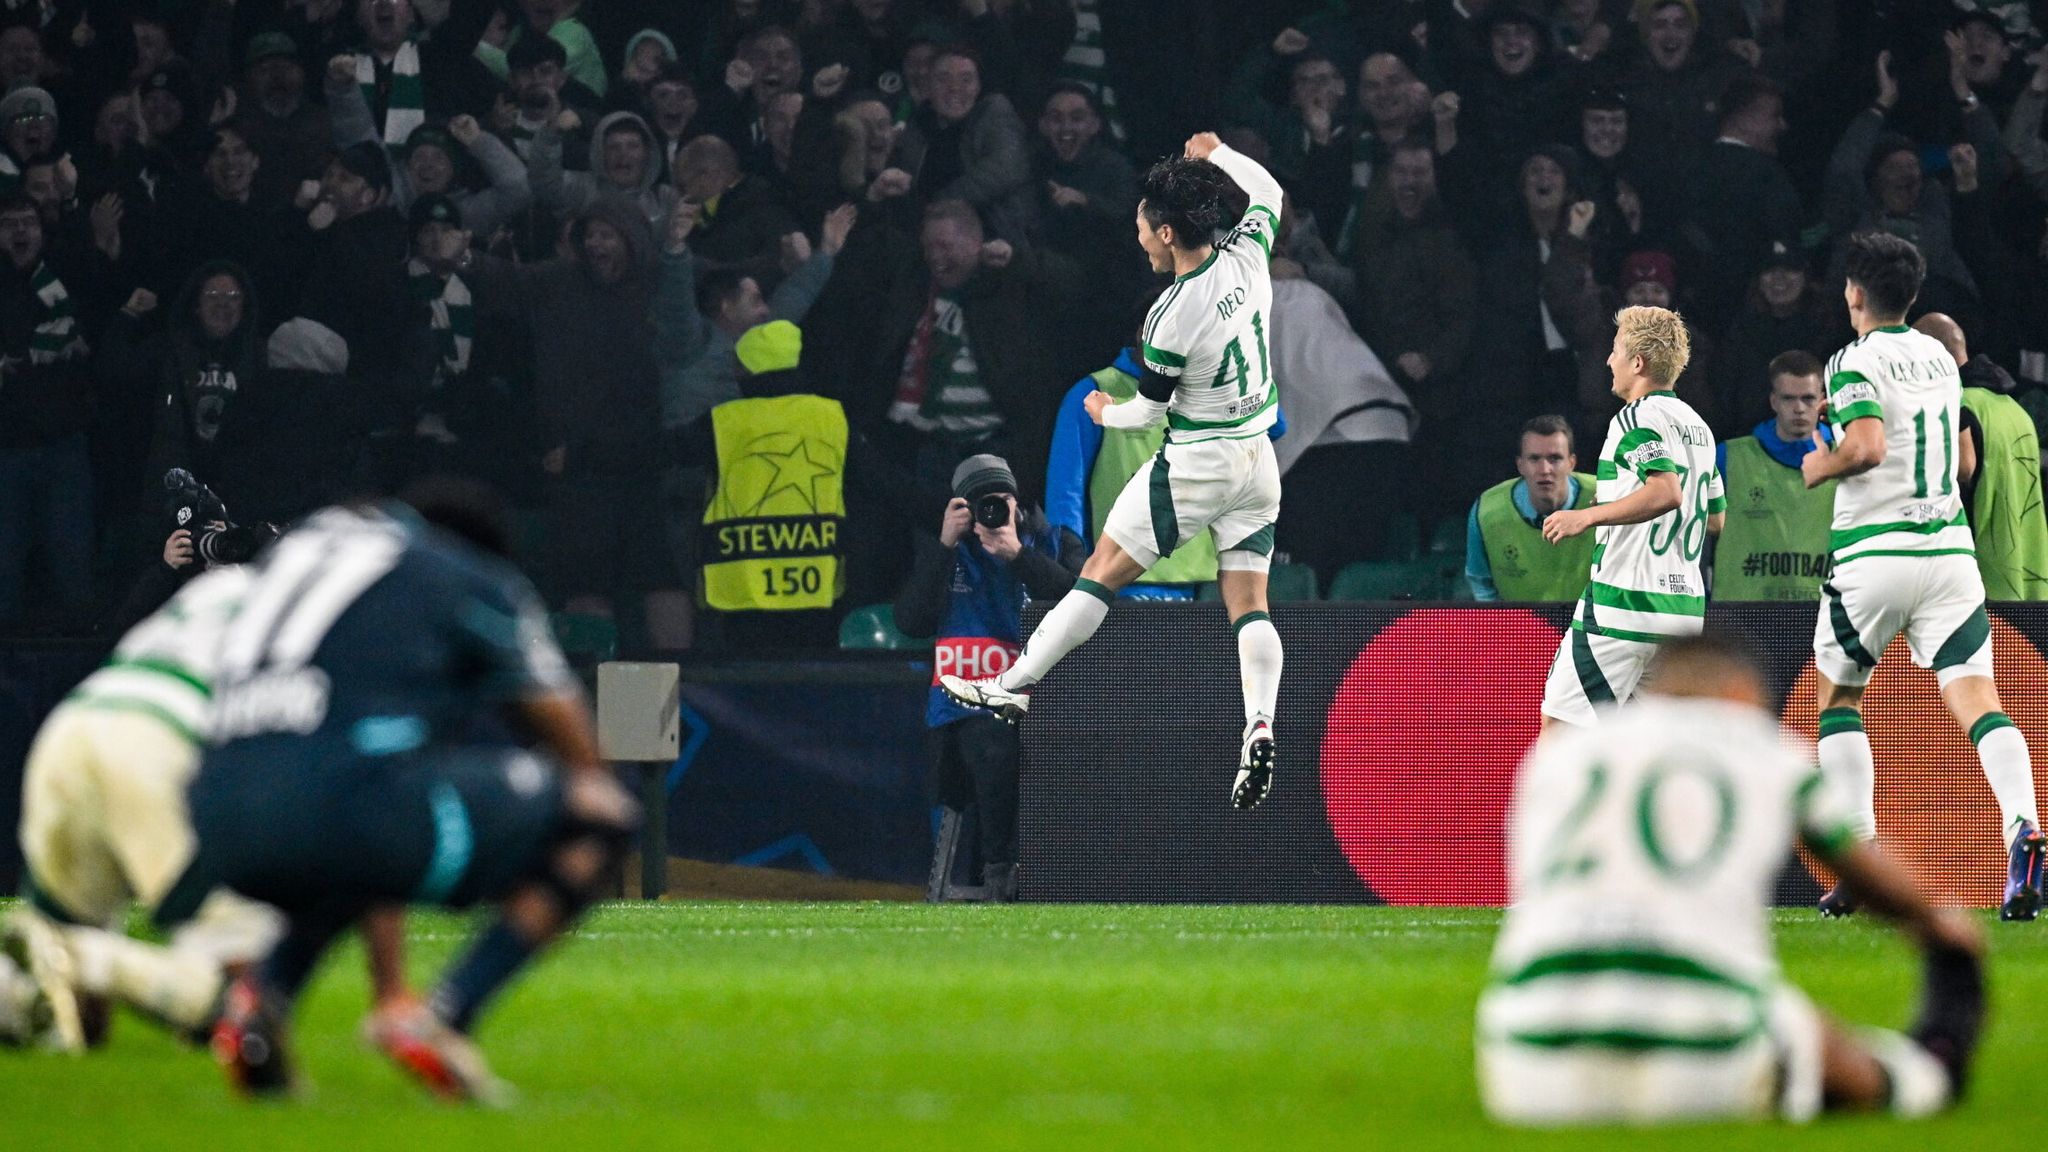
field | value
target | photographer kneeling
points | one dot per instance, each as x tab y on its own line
969	588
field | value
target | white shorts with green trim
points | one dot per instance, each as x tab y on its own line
1228	487
104	823
1617	1078
1937	601
1593	672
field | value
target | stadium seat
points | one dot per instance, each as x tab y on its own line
1291	582
1448	538
1284	582
586	637
1404	538
874	627
1422	579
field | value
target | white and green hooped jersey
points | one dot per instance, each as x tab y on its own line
1209	330
1643	854
164	667
1646	577
1911	503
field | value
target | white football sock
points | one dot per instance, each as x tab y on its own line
177	986
1920	1084
1846	761
1259	659
1070	623
2008	768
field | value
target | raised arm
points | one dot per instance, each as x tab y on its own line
1250	175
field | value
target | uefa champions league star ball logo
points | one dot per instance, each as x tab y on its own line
781	474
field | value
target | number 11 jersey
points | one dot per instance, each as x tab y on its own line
1910	504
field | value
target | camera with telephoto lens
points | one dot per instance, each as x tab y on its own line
993	510
194	507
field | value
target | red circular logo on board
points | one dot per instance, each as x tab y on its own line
1420	750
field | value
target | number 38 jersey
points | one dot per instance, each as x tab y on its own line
1910	503
1209	330
1643	855
1646	577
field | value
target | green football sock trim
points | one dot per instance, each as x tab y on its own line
1083	584
1238	625
1835	721
1987	724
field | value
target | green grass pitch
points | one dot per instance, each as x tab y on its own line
798	1026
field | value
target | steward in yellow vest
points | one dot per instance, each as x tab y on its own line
772	544
1506	557
2002	494
1999	464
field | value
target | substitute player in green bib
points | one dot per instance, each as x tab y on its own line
1660	497
1904	560
1209	376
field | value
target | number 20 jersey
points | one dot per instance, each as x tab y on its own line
1646	581
1910	504
1643	855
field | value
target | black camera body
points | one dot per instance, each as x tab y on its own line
992	511
195	507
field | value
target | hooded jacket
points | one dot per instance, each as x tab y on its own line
190	381
595	382
571	193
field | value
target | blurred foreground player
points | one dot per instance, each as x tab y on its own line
349	769
1905	559
1208	375
104	825
1634	979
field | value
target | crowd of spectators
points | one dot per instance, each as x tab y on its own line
303	248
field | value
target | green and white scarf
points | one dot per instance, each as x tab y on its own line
407	108
56	334
453	315
1086	63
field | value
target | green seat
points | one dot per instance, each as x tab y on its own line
1448	538
1283	582
1291	582
1404	537
586	637
874	627
1423	579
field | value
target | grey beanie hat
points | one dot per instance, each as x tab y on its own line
308	346
977	476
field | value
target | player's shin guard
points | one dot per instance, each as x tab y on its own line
1846	760
1070	623
2008	768
1259	659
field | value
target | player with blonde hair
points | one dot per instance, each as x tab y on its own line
1659	498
